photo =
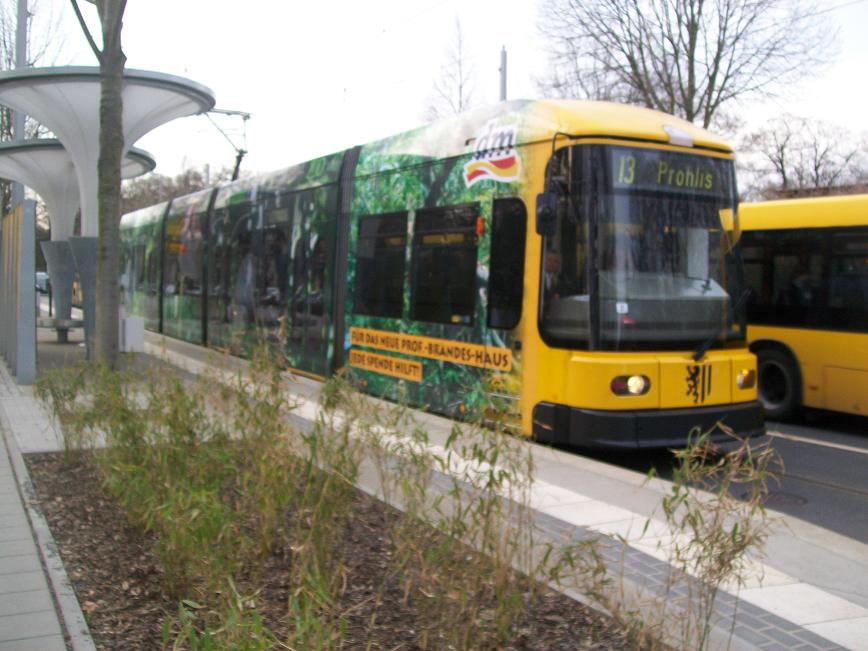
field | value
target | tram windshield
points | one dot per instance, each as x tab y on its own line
643	252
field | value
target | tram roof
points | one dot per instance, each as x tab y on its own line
144	216
530	120
195	202
533	121
302	176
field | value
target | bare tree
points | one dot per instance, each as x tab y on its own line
111	148
44	46
153	188
686	57
795	155
452	92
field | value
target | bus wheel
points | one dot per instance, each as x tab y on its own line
779	386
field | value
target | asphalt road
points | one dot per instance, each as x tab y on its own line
824	479
825	474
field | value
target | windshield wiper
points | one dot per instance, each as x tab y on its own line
700	351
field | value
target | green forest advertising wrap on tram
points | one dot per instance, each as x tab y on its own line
431	307
574	263
141	236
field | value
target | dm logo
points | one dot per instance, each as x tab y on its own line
494	157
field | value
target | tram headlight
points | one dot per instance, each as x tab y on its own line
746	378
631	385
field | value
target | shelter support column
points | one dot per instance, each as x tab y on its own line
84	252
61	271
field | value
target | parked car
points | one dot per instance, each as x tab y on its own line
42	282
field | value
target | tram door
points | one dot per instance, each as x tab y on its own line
231	277
297	275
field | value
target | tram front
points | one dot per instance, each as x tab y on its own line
641	298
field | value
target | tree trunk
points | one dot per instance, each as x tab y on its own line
111	146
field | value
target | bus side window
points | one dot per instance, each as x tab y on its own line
506	277
846	282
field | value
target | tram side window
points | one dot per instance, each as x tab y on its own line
171	268
152	268
274	261
380	254
309	299
443	271
191	253
139	268
232	270
242	256
218	271
506	279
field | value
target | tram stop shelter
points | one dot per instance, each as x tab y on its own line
66	100
45	166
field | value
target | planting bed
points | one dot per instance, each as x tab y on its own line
118	581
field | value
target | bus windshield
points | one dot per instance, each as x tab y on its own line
643	256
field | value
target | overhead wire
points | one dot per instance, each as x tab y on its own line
836	7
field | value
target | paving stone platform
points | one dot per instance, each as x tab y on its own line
38	607
29	620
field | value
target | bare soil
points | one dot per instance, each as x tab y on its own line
118	581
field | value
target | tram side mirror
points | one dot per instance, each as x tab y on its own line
546	214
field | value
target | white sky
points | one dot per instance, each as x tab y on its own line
325	75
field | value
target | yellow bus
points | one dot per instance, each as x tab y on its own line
806	264
572	262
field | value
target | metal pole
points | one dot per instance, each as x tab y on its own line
17	117
25	327
503	74
20	62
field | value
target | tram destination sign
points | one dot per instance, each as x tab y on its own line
650	170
